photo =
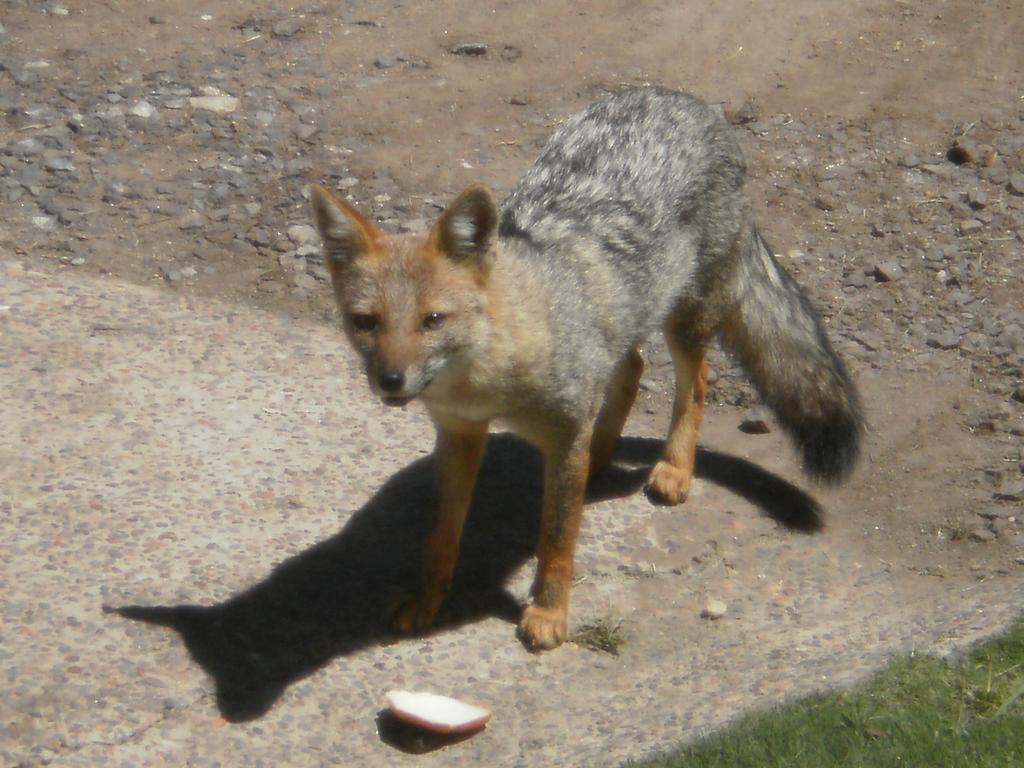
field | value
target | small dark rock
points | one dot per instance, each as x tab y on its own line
755	423
469	49
887	271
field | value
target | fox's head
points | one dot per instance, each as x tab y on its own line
413	305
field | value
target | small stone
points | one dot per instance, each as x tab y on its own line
192	220
302	234
823	203
970	226
910	161
157	20
1018	393
983	534
755	423
944	340
995	513
59	163
287	28
857	279
1016	183
143	109
977	199
714	609
306	132
219	104
170	274
887	271
518	101
469	49
304	282
1011	490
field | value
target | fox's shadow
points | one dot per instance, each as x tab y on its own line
333	599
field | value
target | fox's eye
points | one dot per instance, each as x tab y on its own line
434	320
364	323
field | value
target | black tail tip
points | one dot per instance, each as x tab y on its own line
830	451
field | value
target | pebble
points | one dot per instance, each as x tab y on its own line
469	49
755	422
192	220
1011	490
983	534
287	28
143	109
714	609
887	271
303	234
945	340
220	104
1016	183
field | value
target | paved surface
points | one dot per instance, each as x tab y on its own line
228	467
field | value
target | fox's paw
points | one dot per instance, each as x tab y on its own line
668	484
415	614
542	629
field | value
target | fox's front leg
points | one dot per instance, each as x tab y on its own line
544	624
457	458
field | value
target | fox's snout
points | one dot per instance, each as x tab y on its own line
391	380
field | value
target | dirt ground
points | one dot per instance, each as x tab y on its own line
886	147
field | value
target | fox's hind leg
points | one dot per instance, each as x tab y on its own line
617	401
669	481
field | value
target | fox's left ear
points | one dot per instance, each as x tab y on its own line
467	229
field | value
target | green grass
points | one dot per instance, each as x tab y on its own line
918	713
603	635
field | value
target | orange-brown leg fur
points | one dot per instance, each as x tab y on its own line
458	454
544	624
617	403
669	481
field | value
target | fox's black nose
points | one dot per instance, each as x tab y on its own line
391	381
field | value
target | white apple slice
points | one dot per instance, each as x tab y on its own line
441	714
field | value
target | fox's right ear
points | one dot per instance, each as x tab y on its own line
347	235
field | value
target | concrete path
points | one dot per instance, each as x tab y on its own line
225	472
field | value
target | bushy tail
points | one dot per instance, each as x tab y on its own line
778	338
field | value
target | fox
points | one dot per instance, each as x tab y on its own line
633	219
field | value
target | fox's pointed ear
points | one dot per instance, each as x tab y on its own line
468	227
345	232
